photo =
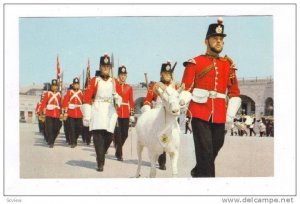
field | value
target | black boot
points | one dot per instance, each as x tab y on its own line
194	172
100	166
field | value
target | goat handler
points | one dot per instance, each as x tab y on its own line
211	78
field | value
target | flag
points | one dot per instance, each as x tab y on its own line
59	75
88	75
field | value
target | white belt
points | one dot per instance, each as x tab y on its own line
73	106
52	107
125	104
104	99
201	95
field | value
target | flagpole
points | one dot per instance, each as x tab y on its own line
83	79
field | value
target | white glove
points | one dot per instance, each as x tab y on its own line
228	125
234	104
132	119
86	110
118	99
86	123
145	108
184	98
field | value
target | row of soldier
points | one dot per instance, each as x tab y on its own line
52	114
107	103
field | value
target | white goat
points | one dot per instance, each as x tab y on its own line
158	129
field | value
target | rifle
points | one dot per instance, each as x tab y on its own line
113	79
173	70
61	94
174	67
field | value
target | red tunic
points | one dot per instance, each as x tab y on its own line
220	78
52	99
91	91
72	102
37	108
151	96
127	107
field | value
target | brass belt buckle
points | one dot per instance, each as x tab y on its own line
213	94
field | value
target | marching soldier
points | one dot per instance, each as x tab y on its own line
71	109
208	77
86	133
125	112
51	108
99	111
166	77
65	123
40	119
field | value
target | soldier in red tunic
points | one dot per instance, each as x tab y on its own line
125	112
40	119
71	109
151	100
99	111
211	79
51	108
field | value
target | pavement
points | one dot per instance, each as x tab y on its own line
240	157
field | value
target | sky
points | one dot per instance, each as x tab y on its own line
140	43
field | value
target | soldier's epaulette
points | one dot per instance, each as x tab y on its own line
190	61
227	58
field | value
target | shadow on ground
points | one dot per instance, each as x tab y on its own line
82	163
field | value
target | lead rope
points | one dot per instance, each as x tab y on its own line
130	132
190	123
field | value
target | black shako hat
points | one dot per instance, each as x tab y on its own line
122	70
105	60
216	29
166	67
76	80
54	82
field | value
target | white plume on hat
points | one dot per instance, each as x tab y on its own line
220	20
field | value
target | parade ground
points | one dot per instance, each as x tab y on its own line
240	157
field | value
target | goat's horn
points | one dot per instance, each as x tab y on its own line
181	88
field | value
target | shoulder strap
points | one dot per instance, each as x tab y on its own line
75	94
205	71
